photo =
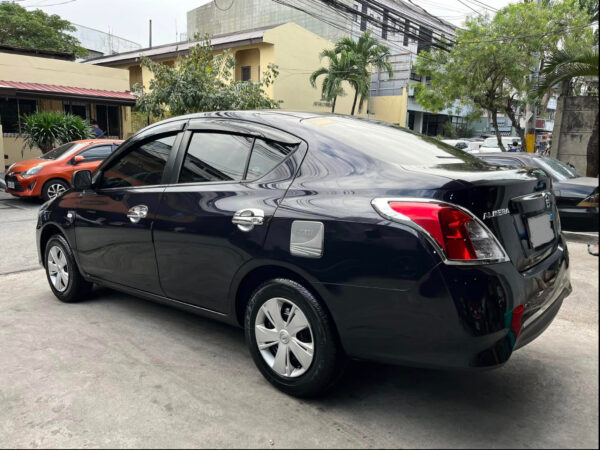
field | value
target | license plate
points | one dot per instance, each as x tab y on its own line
540	230
10	184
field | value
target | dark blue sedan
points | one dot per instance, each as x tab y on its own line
325	237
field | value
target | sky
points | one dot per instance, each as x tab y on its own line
129	18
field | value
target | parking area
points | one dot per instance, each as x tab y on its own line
117	371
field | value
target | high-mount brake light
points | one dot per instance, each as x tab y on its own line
457	233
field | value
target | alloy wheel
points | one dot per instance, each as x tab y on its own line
58	268
55	190
284	337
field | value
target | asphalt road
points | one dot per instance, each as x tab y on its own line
117	371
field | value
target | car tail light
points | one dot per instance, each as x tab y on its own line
454	231
591	201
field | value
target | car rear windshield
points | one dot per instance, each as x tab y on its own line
62	150
558	169
391	144
493	141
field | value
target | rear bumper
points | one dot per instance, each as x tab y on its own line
455	317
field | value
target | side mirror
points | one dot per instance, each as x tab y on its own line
81	180
78	159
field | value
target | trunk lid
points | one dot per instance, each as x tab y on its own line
517	205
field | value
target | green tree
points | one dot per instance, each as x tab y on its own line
201	81
491	65
563	66
36	29
47	130
369	53
340	67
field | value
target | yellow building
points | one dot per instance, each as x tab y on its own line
33	81
292	48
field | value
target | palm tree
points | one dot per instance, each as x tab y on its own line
340	67
562	67
369	53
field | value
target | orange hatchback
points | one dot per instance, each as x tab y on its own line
49	175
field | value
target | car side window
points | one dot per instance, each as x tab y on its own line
504	161
97	153
215	157
143	165
265	156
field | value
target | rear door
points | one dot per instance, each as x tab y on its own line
113	221
215	214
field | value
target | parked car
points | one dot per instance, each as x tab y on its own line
49	175
324	237
461	144
576	196
490	145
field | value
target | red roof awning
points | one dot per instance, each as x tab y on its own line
69	92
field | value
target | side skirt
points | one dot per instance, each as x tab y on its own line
194	309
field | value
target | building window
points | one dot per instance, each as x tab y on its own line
77	109
414	76
246	73
425	39
11	112
109	120
406	31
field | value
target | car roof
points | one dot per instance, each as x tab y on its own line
98	141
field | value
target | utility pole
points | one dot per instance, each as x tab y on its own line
531	109
150	33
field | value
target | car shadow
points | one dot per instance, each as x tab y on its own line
454	402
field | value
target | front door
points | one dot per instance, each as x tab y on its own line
200	242
113	222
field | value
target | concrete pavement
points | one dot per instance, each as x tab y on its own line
117	371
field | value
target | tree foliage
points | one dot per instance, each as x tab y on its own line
201	81
47	130
37	30
492	63
340	67
368	53
350	60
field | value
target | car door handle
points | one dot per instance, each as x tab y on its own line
247	219
137	213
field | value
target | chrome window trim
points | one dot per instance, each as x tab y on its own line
381	205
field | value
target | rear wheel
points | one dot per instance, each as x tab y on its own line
64	277
292	339
54	188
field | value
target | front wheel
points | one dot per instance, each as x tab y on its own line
54	188
292	340
62	272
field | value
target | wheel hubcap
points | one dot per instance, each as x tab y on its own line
284	337
55	190
58	269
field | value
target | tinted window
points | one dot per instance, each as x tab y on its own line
97	153
215	157
141	166
61	151
265	156
503	161
557	169
391	144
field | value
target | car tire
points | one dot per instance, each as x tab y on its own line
66	282
54	187
306	360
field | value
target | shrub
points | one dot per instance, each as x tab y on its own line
48	130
